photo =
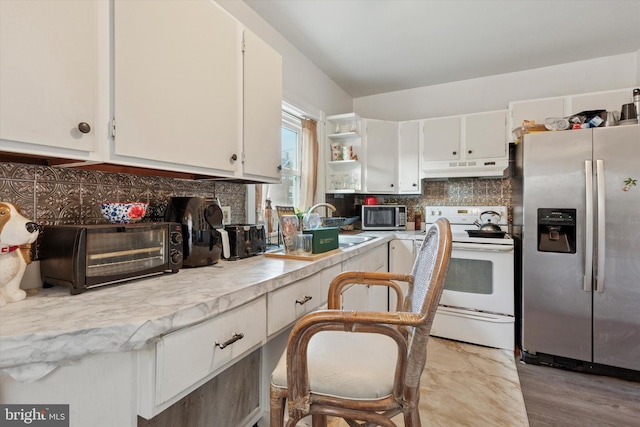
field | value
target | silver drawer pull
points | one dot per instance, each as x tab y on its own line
236	337
305	300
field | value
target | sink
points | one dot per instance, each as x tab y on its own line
345	241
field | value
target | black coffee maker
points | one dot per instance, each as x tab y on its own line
203	233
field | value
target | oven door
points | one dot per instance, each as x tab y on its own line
480	278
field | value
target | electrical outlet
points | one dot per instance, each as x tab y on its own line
226	214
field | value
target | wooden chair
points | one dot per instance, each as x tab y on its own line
364	366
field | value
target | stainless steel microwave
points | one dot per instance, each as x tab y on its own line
383	217
85	256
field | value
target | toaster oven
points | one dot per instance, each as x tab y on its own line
81	257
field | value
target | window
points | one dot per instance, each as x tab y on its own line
288	192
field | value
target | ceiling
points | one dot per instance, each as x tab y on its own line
376	46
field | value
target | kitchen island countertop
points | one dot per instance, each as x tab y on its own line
51	327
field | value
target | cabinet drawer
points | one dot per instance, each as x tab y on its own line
187	356
287	304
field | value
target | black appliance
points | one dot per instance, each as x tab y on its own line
202	229
245	240
81	257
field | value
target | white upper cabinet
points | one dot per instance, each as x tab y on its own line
51	77
539	110
162	85
177	84
381	156
465	146
409	158
442	139
611	100
262	91
485	135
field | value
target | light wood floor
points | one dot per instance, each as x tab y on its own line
558	397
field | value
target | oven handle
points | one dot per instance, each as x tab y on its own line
482	247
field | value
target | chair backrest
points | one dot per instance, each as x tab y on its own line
429	273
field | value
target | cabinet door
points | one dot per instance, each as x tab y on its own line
262	94
441	139
178	83
49	53
371	298
537	110
609	100
409	161
485	135
401	257
381	147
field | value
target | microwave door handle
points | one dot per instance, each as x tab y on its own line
588	227
601	226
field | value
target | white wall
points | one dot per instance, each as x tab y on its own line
495	92
304	84
638	67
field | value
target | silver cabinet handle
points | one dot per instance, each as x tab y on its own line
601	226
305	300
236	337
587	284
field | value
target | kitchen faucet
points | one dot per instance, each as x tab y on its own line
329	207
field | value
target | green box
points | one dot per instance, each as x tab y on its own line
324	239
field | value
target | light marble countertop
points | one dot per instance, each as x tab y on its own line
51	327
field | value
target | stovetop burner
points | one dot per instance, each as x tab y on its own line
463	218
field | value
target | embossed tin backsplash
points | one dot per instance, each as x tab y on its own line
55	195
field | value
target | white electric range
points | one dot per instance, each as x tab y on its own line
478	301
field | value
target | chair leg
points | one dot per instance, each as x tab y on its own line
277	399
318	420
412	418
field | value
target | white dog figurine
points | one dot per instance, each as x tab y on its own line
17	234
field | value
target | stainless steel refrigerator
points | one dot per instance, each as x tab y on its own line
581	245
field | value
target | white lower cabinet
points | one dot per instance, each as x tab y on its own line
401	257
367	298
99	389
189	357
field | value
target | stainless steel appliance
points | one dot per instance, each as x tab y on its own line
204	237
383	217
245	240
580	247
478	302
86	256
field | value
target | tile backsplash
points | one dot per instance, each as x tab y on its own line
55	195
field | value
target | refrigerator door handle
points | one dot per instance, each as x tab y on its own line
601	226
588	227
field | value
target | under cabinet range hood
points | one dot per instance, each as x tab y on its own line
489	168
